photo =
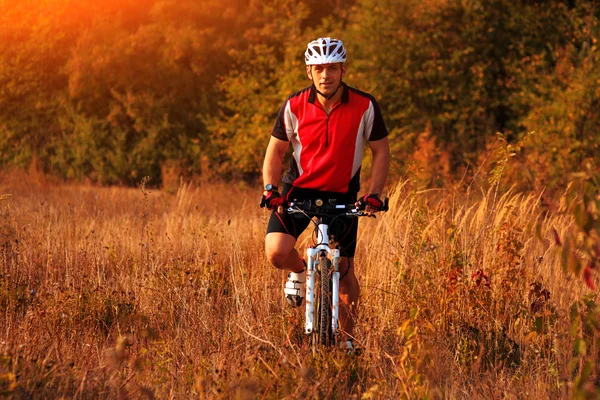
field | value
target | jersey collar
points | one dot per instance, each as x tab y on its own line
312	97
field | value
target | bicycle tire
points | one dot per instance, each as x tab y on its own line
325	335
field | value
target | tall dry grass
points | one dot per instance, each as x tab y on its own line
114	292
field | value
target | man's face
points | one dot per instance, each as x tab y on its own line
327	77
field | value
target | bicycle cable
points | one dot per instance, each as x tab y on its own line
316	224
330	224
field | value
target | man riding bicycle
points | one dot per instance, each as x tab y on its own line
328	125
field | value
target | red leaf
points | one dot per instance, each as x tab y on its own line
480	277
556	237
588	277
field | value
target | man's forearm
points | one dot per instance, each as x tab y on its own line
379	171
272	164
271	172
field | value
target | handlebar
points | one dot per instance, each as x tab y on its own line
330	208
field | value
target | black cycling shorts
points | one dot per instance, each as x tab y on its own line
344	229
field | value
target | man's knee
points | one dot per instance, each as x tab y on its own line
278	249
277	256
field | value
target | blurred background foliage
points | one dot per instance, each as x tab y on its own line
109	92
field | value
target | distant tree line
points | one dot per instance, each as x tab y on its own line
110	93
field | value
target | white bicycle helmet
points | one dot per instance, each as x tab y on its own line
325	51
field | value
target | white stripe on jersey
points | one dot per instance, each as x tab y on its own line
364	133
291	127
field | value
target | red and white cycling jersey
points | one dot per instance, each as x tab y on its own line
328	149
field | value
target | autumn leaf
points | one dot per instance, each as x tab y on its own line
588	276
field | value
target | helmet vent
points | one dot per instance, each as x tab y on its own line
325	51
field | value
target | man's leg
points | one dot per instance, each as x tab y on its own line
349	293
280	251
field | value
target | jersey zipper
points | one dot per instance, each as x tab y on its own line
327	132
327	124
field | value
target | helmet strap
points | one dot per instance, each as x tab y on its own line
331	96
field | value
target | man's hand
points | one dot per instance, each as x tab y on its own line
370	203
272	200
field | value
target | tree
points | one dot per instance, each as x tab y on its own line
264	73
448	67
149	86
34	47
564	109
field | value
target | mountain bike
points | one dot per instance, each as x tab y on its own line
321	322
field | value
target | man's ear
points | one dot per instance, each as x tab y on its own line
343	70
308	72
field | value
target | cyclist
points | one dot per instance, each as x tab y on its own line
328	125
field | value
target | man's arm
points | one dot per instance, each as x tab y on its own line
274	160
381	164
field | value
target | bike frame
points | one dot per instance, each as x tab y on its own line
323	248
312	253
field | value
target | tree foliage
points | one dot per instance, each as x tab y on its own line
113	91
450	67
564	109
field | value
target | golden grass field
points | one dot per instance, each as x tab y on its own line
140	293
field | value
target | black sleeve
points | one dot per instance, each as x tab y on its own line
279	128
379	130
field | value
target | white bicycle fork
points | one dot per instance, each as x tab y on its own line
312	253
